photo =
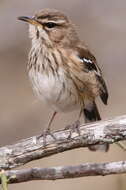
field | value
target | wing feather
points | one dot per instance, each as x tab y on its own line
90	64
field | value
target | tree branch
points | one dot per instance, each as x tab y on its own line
32	148
66	172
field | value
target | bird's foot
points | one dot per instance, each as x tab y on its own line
45	133
73	128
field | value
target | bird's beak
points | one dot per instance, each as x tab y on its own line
30	20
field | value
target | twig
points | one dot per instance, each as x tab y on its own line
4	180
32	148
66	172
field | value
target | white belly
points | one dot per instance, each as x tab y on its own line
51	90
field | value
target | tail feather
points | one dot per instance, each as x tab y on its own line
91	114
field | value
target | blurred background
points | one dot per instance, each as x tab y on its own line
102	25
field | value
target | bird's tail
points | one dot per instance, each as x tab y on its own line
91	114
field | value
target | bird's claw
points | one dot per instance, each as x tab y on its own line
45	133
74	128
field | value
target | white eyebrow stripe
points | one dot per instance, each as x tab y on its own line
57	22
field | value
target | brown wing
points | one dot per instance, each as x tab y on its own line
90	64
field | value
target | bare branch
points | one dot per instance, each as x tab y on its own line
66	172
32	148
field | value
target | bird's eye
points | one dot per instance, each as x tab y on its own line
50	24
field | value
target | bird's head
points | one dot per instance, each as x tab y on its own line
51	26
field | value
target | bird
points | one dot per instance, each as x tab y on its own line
63	71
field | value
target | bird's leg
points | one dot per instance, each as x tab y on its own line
47	130
75	126
51	120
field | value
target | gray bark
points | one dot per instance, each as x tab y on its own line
32	148
66	172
